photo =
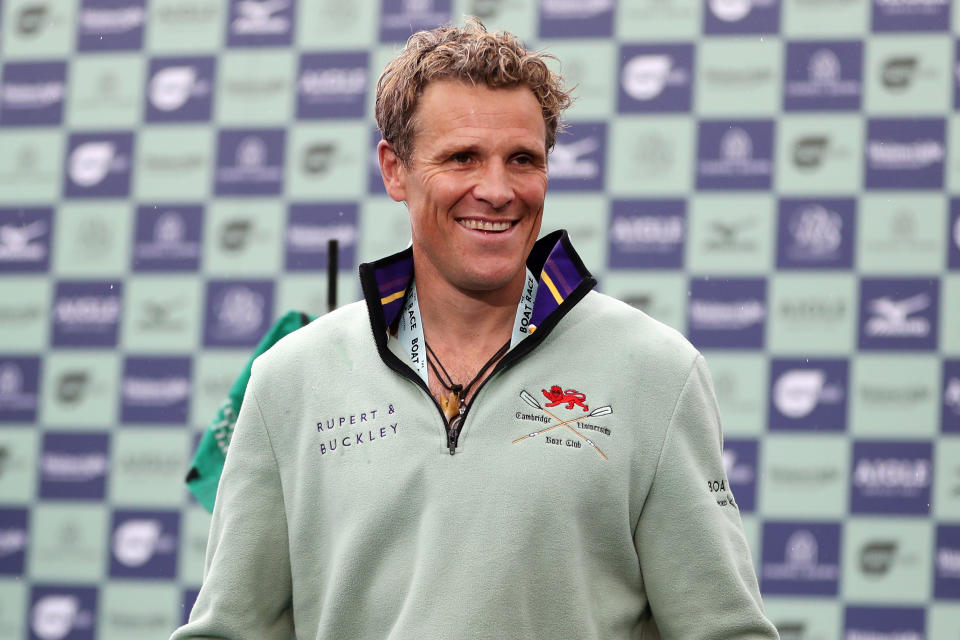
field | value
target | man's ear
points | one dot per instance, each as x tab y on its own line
393	172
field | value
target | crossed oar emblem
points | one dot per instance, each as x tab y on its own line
599	411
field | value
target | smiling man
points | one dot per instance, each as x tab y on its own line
484	447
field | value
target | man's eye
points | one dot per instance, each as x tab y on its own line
460	157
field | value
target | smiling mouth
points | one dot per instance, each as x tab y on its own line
489	226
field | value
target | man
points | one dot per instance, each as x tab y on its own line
484	447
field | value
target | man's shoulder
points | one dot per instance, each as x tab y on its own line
345	326
624	328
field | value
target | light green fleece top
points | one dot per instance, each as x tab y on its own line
341	513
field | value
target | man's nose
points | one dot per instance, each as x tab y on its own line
493	185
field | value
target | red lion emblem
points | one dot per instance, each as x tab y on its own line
556	395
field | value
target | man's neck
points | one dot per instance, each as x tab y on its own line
466	324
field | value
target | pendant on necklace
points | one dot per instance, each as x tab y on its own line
450	404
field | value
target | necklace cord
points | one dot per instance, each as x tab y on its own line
449	384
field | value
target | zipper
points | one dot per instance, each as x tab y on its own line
452	435
455	427
454	430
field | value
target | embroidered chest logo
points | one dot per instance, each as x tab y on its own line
556	396
569	399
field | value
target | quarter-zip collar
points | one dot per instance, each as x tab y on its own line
563	278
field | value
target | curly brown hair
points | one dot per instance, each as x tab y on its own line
469	53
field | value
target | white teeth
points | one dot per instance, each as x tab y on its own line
484	225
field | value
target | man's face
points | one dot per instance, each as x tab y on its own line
475	184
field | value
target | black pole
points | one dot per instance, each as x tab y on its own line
333	261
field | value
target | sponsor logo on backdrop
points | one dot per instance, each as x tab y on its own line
167	238
149	463
25	239
905	154
318	158
894	395
133	624
98	165
155	390
735	155
109	25
332	85
63	613
947	563
310	227
243	87
250	162
86	314
13	540
878	556
171	163
71	540
884	623
106	91
180	89
727	312
32	93
911	15
902	235
260	23
898	313
891	477
950	409
740	466
823	76
742	16
898	73
953	235
655	77
653	155
731	235
344	15
26	168
235	234
800	558
192	13
576	18
812	312
578	161
14	314
19	388
400	18
74	465
144	544
804	477
162	316
94	237
808	395
238	313
72	387
33	19
721	76
812	150
647	234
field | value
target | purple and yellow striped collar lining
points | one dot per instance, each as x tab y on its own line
560	274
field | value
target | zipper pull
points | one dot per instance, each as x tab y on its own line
453	429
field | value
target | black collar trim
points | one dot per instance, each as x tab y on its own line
564	280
